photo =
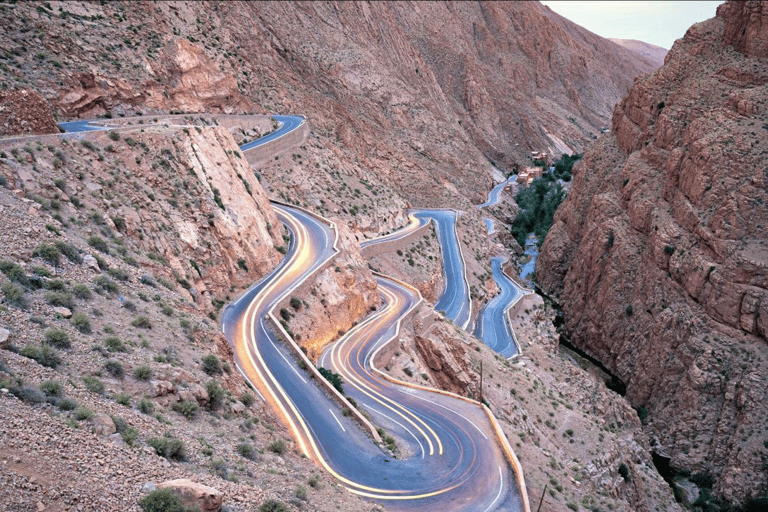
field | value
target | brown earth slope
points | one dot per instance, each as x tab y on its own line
419	92
658	255
651	52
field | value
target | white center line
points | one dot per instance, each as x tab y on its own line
337	420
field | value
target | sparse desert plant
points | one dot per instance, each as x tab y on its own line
115	344
93	384
247	399
81	323
215	394
142	322
83	413
186	408
71	252
273	506
57	338
51	387
105	284
114	368
60	299
14	295
211	365
143	372
81	291
163	500
66	404
48	253
246	450
44	355
98	243
146	406
123	399
168	447
624	472
277	446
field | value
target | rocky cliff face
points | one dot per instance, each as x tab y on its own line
25	111
419	93
658	255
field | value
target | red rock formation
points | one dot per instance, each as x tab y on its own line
25	111
659	258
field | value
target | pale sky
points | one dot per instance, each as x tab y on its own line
655	22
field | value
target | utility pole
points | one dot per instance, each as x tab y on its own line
481	381
541	501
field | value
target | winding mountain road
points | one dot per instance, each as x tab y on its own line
455	300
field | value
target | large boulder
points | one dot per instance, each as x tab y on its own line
103	425
193	494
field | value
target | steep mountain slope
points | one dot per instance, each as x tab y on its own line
436	87
651	52
658	255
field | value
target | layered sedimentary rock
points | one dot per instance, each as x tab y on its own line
658	254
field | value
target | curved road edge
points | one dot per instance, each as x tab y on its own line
502	438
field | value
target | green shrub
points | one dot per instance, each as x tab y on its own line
142	322
211	365
57	338
163	500
51	388
56	285
624	472
114	368
538	204
143	372
215	394
81	291
277	447
167	310
14	272
113	135
45	356
186	408
123	399
81	323
273	506
27	394
42	272
98	243
93	384
66	404
146	406
60	299
71	252
333	378
48	253
120	275
247	399
14	295
115	344
246	450
83	413
103	283
168	447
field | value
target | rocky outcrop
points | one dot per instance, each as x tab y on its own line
192	82
25	112
658	252
745	27
333	300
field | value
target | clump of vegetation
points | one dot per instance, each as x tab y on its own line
624	472
98	243
93	384
142	322
246	450
51	388
168	447
57	338
564	166
277	446
163	500
215	394
186	408
115	344
211	365
143	372
48	253
81	322
538	204
333	378
273	506
44	355
14	295
114	368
